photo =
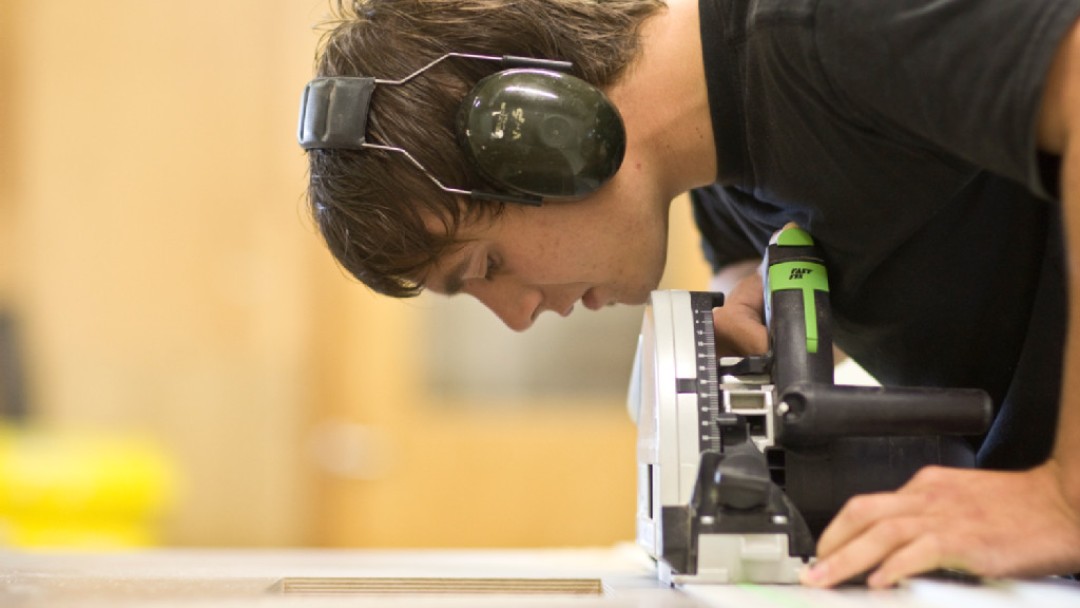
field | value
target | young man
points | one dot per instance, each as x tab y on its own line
932	148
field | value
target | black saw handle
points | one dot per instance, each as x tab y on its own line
816	413
810	408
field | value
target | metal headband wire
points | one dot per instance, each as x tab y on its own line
419	166
507	60
362	96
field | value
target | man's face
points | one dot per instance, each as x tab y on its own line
603	250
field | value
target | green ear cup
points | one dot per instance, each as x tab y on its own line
541	132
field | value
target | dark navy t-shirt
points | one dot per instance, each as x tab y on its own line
901	135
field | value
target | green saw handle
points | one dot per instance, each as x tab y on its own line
797	310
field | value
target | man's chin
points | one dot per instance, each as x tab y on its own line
631	297
636	299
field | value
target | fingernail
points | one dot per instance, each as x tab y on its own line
815	574
877	580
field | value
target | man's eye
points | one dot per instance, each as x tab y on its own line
492	268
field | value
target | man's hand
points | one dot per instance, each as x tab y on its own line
987	523
739	323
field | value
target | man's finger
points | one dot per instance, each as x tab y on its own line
739	332
863	552
924	554
861	513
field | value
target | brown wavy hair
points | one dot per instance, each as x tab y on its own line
370	206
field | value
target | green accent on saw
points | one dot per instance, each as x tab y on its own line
794	237
809	278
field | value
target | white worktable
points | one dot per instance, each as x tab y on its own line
195	578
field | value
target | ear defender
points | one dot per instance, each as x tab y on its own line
532	131
540	132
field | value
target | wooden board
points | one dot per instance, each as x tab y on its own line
437	585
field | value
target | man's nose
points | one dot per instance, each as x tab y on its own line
515	305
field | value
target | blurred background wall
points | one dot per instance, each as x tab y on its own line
182	350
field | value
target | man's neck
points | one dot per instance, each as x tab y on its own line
664	99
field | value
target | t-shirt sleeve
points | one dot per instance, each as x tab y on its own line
965	76
733	225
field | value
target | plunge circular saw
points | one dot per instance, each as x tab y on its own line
742	461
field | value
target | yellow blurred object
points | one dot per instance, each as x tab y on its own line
67	489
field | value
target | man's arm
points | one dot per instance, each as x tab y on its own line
1059	131
985	522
